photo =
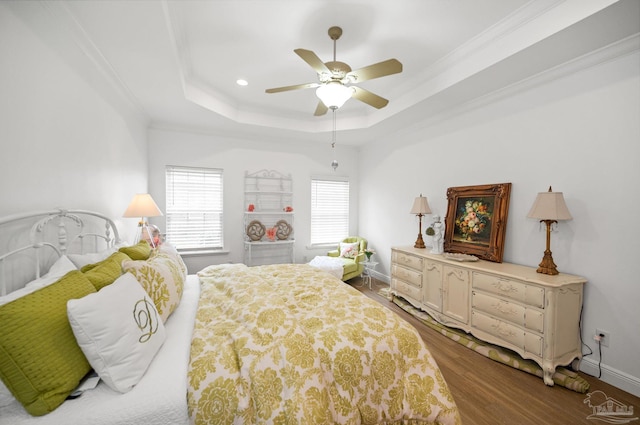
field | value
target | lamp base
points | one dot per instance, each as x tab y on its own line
144	232
547	266
419	242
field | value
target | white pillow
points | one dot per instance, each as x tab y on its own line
6	398
60	268
349	250
81	260
119	345
19	293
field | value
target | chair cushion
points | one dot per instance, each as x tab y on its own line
349	265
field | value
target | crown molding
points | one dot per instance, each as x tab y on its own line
70	30
612	52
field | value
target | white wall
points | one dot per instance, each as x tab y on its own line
580	134
235	156
62	144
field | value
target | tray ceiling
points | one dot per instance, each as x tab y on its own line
178	61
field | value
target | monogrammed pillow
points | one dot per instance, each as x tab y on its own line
119	330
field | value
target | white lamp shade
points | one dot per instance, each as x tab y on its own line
142	205
420	206
550	206
334	94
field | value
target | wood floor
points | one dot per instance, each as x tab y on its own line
490	393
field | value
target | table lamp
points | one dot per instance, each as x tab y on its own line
549	207
142	205
420	208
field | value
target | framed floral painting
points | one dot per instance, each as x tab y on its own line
477	219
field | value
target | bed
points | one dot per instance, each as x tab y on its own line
266	344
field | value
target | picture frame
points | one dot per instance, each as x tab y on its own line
476	220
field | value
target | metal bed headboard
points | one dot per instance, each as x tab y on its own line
31	242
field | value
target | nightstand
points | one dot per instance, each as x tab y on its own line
369	266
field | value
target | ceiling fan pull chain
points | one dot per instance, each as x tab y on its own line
334	125
334	163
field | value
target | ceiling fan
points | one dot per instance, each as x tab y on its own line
335	78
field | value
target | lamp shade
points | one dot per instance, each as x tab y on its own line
550	206
420	206
142	205
334	94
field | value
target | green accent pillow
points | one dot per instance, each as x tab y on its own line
106	271
40	360
139	251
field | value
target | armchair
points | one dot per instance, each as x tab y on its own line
352	265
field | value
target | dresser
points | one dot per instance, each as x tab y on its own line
509	305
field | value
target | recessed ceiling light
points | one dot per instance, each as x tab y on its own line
242	82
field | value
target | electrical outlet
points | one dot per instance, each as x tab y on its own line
604	337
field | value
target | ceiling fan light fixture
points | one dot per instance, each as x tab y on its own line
334	94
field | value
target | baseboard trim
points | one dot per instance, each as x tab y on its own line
617	378
381	277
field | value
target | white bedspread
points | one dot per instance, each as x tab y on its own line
160	398
332	265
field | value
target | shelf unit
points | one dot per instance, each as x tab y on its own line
270	193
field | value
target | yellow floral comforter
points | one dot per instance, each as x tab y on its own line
291	344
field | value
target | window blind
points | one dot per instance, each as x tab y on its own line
194	208
329	210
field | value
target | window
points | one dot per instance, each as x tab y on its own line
194	208
329	210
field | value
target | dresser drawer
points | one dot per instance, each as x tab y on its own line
516	290
533	344
498	307
508	310
408	275
534	320
406	290
518	337
505	331
407	260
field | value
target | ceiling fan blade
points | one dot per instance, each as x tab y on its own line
321	109
296	87
377	70
312	59
369	98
